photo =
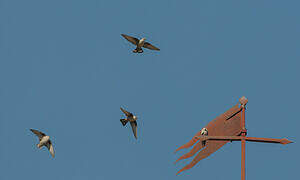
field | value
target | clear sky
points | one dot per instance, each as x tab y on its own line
65	70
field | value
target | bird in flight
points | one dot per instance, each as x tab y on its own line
129	118
139	44
44	140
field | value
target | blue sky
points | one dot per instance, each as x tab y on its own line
65	70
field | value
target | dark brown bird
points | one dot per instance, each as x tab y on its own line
139	44
129	118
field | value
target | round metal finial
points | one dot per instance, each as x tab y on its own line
243	100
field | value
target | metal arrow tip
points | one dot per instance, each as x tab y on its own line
286	141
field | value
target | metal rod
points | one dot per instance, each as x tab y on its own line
239	138
243	168
243	144
268	140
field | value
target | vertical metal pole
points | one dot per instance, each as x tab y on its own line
243	147
243	170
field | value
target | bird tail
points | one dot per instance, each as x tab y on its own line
123	121
138	50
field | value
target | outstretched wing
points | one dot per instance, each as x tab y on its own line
128	114
39	134
50	148
150	46
131	39
134	126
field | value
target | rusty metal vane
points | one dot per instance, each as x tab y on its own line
228	127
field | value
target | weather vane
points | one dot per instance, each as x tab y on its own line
229	126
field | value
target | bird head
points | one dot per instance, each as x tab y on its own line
143	39
204	132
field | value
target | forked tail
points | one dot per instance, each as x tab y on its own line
138	50
123	121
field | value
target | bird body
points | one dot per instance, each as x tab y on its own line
132	118
44	140
204	132
141	43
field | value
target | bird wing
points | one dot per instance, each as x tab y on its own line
39	134
131	39
50	148
150	46
133	126
128	114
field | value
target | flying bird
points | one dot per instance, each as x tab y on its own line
44	141
129	118
139	44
